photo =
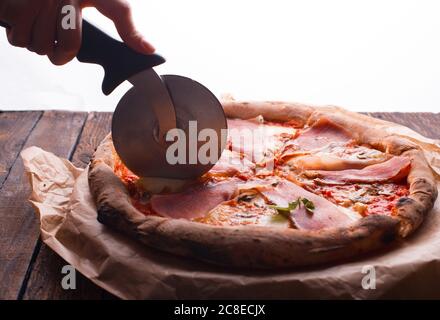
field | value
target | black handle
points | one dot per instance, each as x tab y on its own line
118	60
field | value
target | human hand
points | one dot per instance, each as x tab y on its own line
36	25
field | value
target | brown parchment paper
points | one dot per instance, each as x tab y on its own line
129	270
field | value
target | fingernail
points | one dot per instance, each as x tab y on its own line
148	47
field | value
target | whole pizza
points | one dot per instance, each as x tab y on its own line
296	186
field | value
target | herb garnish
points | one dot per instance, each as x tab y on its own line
308	205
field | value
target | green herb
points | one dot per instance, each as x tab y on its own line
283	210
308	205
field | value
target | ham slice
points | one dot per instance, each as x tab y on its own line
321	134
257	141
231	164
325	214
336	157
325	161
194	202
394	169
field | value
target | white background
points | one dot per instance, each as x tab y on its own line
363	55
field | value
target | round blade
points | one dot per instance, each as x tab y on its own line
191	151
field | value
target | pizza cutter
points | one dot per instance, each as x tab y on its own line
152	107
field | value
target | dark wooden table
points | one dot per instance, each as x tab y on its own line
28	268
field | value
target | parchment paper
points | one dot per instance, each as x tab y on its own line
129	270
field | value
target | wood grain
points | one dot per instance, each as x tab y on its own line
427	124
15	129
28	268
45	277
98	125
19	231
45	281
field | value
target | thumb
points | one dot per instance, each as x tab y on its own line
119	11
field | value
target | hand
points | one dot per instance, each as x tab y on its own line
36	25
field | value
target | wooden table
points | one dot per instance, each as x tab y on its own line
28	268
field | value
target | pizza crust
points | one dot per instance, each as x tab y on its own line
266	247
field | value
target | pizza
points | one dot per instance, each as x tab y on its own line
296	186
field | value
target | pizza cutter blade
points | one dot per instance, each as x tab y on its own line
164	126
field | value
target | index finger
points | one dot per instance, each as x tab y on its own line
119	11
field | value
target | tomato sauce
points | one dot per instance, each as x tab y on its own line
130	179
378	198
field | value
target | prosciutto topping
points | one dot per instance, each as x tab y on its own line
394	169
257	141
320	135
338	158
325	214
330	162
194	202
231	164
